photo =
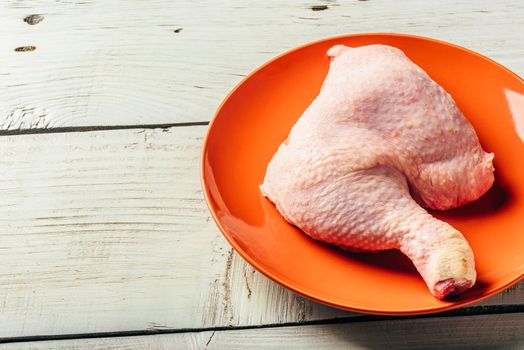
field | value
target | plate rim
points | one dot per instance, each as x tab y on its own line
450	305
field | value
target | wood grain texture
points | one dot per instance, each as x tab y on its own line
113	223
472	332
119	62
108	231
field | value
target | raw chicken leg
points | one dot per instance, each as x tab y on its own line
381	128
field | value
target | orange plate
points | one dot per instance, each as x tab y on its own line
257	116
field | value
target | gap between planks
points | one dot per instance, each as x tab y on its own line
468	311
97	128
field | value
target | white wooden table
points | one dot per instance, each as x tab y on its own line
105	240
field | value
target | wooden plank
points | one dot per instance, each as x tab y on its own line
108	231
113	223
98	62
499	331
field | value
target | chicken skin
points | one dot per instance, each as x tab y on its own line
381	141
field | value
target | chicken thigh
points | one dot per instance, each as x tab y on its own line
380	141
